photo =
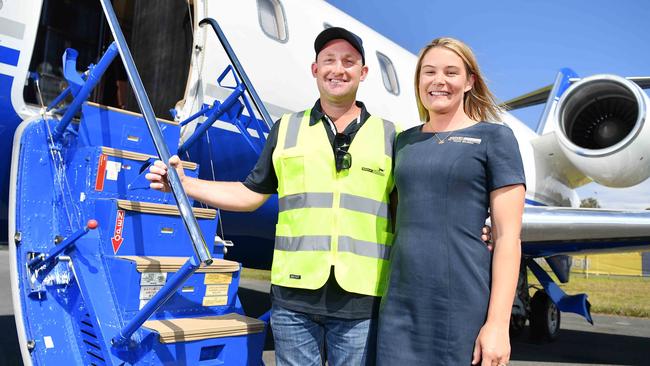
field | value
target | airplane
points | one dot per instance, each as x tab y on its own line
214	108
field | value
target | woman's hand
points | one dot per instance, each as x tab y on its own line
492	346
486	236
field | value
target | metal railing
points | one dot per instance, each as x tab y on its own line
239	69
94	76
201	252
243	85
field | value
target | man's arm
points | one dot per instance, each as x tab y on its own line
230	196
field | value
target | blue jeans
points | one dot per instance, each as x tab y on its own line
300	338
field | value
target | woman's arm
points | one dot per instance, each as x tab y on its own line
506	207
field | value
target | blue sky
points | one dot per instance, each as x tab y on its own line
522	44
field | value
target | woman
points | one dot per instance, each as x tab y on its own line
449	299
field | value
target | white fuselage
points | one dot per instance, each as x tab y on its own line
280	71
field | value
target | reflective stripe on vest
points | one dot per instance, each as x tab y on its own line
325	200
364	248
322	242
389	137
292	130
298	243
363	204
304	200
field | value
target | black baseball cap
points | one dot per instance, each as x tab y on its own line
333	33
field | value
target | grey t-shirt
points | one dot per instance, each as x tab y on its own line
331	299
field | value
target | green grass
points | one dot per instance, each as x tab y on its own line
628	296
256	274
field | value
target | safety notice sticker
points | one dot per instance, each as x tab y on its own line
101	173
147	292
215	301
113	169
216	290
153	278
217	278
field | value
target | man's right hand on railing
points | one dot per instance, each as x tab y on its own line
157	175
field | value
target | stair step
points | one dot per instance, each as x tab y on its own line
162	209
194	329
126	154
107	126
120	173
173	264
134	114
135	227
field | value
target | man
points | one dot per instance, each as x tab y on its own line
334	228
334	233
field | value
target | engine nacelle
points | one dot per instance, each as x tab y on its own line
602	128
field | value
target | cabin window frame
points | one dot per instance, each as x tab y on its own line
281	24
388	70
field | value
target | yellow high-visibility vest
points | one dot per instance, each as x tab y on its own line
329	218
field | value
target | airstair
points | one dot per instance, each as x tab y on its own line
110	272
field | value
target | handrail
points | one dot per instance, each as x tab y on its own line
231	106
94	76
239	69
184	206
212	117
198	242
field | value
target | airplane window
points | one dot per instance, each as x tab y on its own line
272	19
388	74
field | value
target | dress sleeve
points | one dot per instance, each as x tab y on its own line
504	165
262	178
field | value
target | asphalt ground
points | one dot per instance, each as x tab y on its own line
612	340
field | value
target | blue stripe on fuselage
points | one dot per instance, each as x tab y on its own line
9	120
9	56
534	203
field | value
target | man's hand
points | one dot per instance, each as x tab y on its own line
486	236
157	175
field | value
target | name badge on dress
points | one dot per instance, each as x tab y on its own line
465	140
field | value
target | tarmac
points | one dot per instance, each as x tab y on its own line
612	340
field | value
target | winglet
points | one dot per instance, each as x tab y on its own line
549	94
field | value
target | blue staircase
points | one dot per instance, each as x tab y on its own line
75	304
109	271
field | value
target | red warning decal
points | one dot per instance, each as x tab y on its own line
101	173
117	238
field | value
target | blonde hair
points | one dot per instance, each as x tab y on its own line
478	103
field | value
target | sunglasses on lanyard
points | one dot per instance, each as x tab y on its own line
343	158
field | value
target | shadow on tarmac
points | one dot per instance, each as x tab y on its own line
255	304
9	349
583	347
573	346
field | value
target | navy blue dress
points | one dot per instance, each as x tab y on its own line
439	285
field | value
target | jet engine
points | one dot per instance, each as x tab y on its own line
603	129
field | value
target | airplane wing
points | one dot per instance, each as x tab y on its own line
540	95
536	97
549	231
